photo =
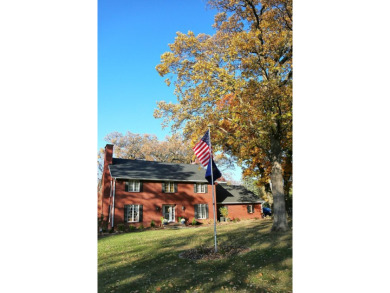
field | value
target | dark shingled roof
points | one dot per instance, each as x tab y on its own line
235	194
149	170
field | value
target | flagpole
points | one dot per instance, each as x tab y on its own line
212	188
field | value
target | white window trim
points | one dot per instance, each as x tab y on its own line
129	219
200	207
133	184
251	208
201	186
170	184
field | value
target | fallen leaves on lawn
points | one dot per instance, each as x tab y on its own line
208	253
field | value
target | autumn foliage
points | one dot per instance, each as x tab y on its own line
239	80
148	147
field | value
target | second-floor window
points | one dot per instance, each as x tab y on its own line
169	187
200	188
133	186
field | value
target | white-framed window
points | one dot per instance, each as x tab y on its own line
169	187
132	213
133	186
250	209
200	188
201	211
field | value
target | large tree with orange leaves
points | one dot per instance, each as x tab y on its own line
240	81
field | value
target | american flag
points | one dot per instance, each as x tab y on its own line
202	150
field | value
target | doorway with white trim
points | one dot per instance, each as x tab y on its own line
169	212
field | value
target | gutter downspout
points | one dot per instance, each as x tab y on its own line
113	204
109	201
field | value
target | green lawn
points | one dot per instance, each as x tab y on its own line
149	261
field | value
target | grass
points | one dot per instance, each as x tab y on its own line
149	261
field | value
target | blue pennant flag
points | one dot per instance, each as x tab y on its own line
216	173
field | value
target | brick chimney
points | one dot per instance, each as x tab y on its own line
106	180
108	151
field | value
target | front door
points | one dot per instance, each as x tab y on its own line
169	212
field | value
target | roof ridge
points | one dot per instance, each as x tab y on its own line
142	160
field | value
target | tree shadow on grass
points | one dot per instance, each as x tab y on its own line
157	267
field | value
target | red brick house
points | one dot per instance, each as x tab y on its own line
240	202
135	192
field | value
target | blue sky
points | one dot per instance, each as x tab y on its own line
132	35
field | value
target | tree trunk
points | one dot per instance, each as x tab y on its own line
279	209
279	212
